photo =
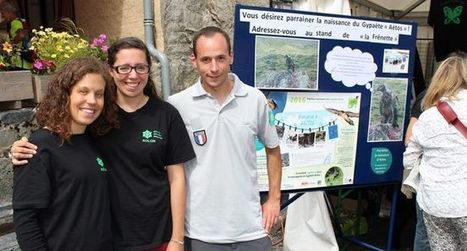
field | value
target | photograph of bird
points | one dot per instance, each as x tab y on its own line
388	106
345	115
290	64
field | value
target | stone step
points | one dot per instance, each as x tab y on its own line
8	242
8	238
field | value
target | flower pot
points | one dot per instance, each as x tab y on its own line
15	85
40	84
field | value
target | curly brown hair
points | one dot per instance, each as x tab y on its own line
53	111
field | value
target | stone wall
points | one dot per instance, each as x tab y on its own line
13	125
181	19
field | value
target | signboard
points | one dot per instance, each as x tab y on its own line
338	88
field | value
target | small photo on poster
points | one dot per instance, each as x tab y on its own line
396	61
286	63
387	109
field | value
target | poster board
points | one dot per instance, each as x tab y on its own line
339	91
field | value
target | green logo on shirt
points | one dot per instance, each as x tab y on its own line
101	164
151	136
452	15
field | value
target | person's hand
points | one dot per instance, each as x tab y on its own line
174	246
271	209
21	151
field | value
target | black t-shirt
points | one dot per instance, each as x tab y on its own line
60	198
449	22
148	139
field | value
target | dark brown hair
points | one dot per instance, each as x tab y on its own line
53	111
210	31
133	43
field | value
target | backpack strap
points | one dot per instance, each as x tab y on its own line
451	117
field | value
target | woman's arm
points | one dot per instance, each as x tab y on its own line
176	175
28	231
412	154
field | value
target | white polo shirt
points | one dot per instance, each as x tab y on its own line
223	204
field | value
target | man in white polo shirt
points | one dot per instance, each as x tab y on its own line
223	116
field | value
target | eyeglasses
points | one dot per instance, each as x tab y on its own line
126	69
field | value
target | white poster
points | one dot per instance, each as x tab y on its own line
318	138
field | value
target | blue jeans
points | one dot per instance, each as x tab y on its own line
421	242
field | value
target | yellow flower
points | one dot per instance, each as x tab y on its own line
60	47
7	47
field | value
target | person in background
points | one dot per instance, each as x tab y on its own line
442	191
421	239
448	19
60	199
147	152
223	116
18	34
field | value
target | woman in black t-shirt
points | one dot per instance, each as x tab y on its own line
60	198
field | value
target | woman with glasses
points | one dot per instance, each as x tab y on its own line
147	152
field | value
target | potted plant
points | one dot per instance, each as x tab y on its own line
53	49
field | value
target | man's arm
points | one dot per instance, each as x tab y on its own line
21	150
177	203
271	207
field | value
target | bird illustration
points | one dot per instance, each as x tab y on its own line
345	115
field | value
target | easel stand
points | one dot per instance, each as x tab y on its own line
355	239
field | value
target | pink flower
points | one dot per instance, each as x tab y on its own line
38	64
41	66
105	48
99	42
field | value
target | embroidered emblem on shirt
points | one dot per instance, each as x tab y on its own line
100	162
452	15
200	137
151	136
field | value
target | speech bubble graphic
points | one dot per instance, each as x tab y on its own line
351	67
